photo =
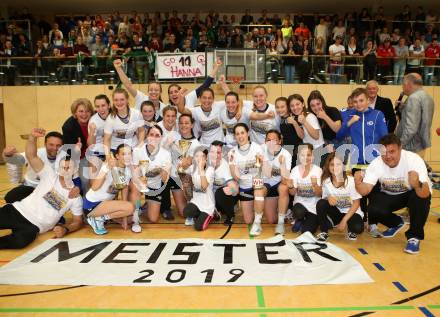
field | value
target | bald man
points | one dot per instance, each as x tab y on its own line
414	129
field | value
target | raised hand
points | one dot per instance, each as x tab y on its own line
9	150
38	132
117	63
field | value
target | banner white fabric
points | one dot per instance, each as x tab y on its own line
180	65
184	262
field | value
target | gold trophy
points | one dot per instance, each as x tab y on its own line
186	179
118	175
183	148
257	182
143	165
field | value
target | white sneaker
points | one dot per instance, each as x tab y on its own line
279	229
189	222
256	229
136	227
374	232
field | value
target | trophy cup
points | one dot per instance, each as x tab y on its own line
186	179
257	182
183	147
143	165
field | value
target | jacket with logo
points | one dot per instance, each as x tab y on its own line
368	130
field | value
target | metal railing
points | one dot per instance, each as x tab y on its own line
85	69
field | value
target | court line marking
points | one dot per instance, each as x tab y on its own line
379	266
363	251
203	311
426	312
42	291
400	287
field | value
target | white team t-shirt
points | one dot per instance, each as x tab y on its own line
222	175
259	128
337	49
156	163
203	199
313	121
124	132
98	147
229	124
31	178
48	202
274	162
245	162
107	191
305	194
394	181
210	123
141	97
344	194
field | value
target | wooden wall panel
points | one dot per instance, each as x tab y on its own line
21	115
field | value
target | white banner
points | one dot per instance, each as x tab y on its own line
180	65
183	262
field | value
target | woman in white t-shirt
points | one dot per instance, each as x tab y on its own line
148	111
180	181
277	171
98	203
154	89
95	153
206	117
244	169
202	205
153	163
340	201
258	127
305	185
123	125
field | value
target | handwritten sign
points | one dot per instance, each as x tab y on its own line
180	65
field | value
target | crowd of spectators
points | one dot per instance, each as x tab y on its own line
353	47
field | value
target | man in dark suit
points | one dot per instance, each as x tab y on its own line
383	104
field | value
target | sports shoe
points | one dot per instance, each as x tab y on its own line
351	236
97	225
216	216
167	215
289	216
256	229
322	237
413	246
297	226
189	221
374	232
279	229
228	221
391	232
135	227
405	216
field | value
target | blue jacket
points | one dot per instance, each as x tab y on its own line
369	129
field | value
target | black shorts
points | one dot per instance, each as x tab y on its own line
246	194
272	191
172	184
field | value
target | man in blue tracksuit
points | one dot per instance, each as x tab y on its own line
365	126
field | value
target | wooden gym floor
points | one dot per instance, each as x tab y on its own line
417	278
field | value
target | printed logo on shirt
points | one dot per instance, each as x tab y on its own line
276	171
343	201
305	190
210	125
393	185
153	172
219	182
261	127
199	190
230	127
55	199
370	122
124	134
246	167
